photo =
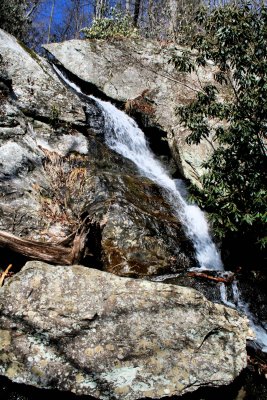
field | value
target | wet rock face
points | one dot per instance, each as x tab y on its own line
55	167
138	231
141	237
93	333
139	74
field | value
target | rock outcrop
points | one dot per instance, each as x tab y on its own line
76	328
37	114
93	333
56	171
139	73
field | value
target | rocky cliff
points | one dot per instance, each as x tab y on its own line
140	75
66	195
56	171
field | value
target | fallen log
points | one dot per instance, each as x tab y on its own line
49	252
228	279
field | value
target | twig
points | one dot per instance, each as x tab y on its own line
229	279
4	275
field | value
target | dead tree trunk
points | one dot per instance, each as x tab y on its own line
222	279
136	11
173	4
127	6
49	252
100	8
50	21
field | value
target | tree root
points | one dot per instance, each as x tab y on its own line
49	252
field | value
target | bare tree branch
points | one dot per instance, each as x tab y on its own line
46	251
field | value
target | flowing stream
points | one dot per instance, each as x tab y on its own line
123	135
241	305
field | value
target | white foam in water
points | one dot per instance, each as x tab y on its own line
69	83
241	305
124	136
261	334
224	297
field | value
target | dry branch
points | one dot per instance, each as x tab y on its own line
228	279
45	251
4	274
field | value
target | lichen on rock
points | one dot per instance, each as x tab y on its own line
93	333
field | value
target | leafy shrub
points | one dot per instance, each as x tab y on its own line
116	25
234	187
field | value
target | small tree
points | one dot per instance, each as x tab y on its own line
234	188
16	17
115	25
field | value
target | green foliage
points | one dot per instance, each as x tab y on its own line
12	17
234	187
116	25
54	116
182	60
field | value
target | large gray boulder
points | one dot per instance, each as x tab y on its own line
139	73
38	116
93	333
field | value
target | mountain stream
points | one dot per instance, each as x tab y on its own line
123	135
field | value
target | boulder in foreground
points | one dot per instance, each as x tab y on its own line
97	334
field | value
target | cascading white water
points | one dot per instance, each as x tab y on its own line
224	297
66	80
241	305
124	136
261	334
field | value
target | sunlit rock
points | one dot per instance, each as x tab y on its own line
139	73
56	170
93	333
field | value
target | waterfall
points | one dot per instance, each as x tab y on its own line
241	305
224	297
125	137
67	81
